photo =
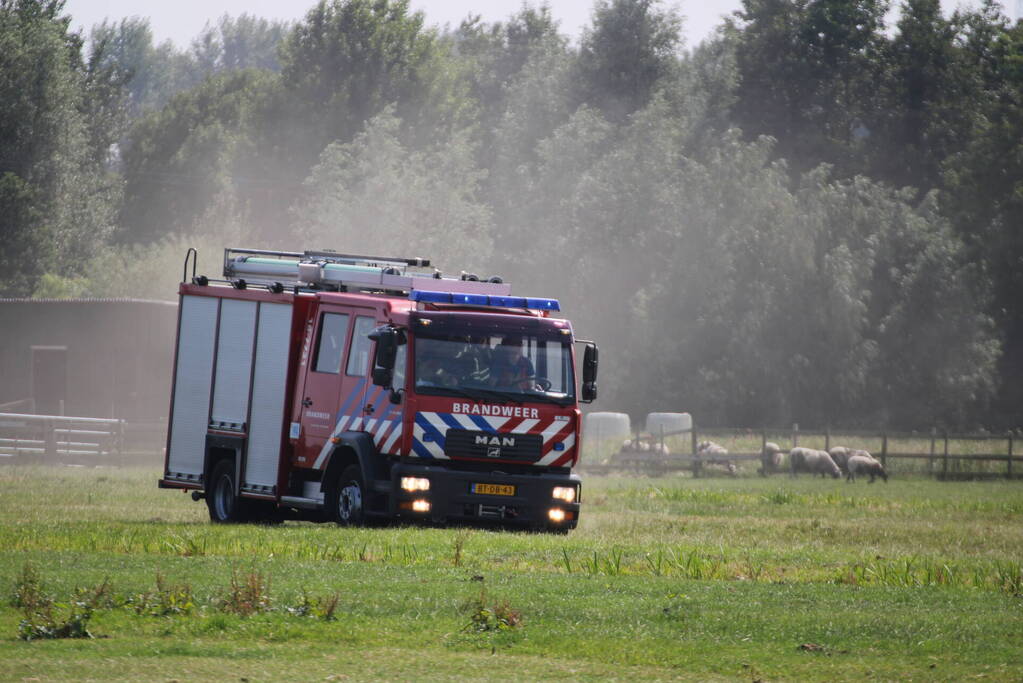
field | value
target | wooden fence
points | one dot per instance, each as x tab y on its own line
943	455
58	439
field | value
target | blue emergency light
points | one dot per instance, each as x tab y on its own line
431	297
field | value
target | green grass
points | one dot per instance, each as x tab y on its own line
665	578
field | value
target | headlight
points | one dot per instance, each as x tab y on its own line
421	505
556	515
415	484
565	493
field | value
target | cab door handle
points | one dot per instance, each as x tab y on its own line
307	401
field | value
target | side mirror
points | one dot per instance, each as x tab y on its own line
383	377
589	387
388	340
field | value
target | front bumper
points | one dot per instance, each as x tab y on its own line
451	497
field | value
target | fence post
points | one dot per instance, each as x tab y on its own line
944	464
827	438
696	461
662	439
884	450
120	442
1008	466
763	452
49	441
930	460
795	434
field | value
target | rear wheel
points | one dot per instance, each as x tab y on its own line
346	499
224	506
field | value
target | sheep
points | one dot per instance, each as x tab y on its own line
660	449
711	448
770	457
864	464
840	454
715	454
634	445
812	461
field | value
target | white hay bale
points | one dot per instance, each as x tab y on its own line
605	425
671	422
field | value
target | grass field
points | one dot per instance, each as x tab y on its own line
670	578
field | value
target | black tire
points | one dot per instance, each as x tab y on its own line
224	506
346	499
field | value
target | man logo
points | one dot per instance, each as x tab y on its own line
484	440
493	452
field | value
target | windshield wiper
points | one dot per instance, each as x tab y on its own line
562	399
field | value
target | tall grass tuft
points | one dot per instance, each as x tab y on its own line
485	617
165	600
248	595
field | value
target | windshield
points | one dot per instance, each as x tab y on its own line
495	366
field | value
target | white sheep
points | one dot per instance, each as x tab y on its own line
812	461
660	449
865	464
771	456
715	454
840	454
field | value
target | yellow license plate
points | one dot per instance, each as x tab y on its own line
493	489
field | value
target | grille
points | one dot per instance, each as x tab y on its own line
463	443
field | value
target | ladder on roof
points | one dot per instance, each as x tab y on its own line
328	270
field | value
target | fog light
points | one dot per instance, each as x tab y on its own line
421	505
565	493
556	514
415	484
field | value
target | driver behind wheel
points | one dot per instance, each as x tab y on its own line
510	369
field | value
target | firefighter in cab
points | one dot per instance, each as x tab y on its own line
511	369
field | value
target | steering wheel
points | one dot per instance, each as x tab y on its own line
542	382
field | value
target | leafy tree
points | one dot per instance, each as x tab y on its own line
631	47
374	193
151	73
810	71
349	59
55	200
241	42
188	161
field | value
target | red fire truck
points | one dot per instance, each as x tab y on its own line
318	385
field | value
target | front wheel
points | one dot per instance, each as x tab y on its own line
346	500
224	506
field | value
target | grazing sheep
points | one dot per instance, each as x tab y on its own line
660	449
812	461
715	454
864	464
634	445
840	454
770	457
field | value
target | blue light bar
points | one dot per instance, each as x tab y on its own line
431	297
543	304
508	301
470	299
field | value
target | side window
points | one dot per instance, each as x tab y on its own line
399	367
358	356
331	342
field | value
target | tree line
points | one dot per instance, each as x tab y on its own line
809	216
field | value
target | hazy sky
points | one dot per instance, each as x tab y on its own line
181	20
